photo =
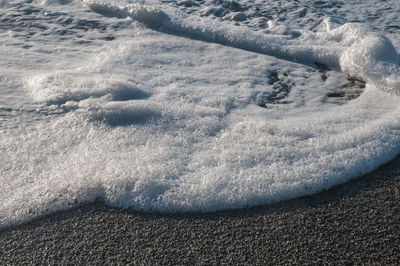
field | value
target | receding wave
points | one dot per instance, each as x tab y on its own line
170	116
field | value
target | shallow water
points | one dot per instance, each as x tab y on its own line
193	106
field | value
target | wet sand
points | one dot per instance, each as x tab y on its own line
357	223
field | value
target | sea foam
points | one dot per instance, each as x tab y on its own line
172	117
353	48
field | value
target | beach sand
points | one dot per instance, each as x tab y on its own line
357	222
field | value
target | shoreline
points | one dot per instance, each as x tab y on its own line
356	222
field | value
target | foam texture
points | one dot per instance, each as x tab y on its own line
186	108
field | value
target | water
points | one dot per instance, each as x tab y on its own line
174	106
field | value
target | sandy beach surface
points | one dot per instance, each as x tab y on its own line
357	223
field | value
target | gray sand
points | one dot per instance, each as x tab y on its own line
358	222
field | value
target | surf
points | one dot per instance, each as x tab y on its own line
182	113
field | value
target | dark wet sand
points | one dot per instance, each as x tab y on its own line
357	223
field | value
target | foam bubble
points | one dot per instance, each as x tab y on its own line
369	56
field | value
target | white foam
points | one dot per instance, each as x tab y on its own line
173	21
369	56
61	87
357	51
160	122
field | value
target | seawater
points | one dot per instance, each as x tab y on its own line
192	106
